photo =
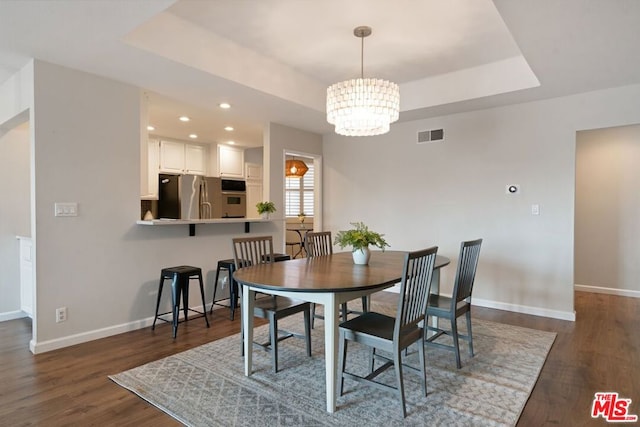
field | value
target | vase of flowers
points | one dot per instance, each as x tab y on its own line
265	209
360	238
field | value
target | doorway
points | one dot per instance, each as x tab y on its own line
607	208
16	249
301	199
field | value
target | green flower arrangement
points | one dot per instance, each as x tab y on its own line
266	207
360	237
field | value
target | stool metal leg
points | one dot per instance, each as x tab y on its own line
175	302
233	292
158	301
215	287
184	285
204	307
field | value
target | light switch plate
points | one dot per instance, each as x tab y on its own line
66	209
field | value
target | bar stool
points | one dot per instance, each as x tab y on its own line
230	266
226	265
180	277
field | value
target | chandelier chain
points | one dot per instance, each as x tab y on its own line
362	57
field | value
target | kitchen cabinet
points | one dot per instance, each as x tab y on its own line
254	171
254	188
182	158
230	162
195	159
254	195
171	157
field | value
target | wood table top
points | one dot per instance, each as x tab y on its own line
329	273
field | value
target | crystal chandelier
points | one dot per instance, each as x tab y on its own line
363	107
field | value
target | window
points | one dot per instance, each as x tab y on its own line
299	193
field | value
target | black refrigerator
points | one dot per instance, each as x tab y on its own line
168	196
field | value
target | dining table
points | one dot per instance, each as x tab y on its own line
329	280
302	231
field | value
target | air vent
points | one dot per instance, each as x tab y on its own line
432	135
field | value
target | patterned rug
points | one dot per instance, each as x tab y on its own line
205	386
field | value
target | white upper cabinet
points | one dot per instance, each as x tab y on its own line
253	176
230	162
195	159
171	157
253	171
182	158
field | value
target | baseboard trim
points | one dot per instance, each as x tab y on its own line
44	346
54	344
516	308
525	309
12	315
609	291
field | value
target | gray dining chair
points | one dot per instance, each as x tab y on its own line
248	251
319	243
393	334
440	306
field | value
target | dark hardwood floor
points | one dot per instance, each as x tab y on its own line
598	352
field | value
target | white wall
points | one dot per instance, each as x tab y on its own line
443	193
254	155
16	96
14	214
101	265
104	268
607	225
278	139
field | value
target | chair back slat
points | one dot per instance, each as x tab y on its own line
318	243
466	272
414	288
252	251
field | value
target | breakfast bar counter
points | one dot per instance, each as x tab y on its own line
193	222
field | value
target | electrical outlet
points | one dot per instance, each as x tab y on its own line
61	314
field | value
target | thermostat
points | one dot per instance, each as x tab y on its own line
513	189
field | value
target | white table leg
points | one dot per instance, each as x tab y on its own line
248	297
435	289
331	349
435	281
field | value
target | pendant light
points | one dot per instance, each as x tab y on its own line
295	168
363	107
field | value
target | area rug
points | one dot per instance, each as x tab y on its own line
206	386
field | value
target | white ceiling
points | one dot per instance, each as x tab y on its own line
272	59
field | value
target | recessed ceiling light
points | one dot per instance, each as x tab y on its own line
225	105
184	119
193	135
150	128
231	142
228	128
